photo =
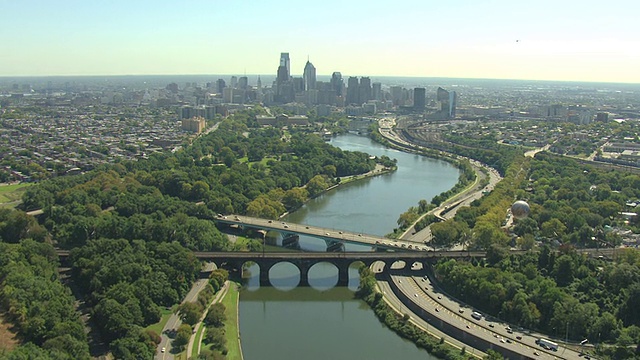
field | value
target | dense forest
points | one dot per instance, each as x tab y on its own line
36	303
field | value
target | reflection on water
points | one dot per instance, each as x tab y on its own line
326	322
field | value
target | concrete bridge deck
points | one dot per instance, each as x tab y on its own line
327	234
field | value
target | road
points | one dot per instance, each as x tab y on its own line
174	321
417	287
319	232
400	307
449	208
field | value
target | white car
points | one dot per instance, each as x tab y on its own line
163	350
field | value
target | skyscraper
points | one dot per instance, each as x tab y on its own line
364	93
234	82
419	99
453	99
447	102
220	84
337	83
243	83
309	76
377	91
352	90
284	87
286	63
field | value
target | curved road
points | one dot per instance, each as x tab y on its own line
419	289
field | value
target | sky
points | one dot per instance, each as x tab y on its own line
565	40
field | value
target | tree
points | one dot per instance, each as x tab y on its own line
215	337
553	228
216	315
182	336
190	313
316	185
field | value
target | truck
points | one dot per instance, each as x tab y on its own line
547	344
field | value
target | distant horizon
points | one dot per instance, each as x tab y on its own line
273	76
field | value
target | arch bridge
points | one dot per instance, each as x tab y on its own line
341	260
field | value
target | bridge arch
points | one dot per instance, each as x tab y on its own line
318	282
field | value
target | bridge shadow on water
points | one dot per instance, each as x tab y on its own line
286	276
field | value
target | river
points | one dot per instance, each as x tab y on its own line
326	322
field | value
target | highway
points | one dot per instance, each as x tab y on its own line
417	287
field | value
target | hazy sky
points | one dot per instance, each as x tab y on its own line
513	39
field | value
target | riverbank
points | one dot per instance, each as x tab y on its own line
401	324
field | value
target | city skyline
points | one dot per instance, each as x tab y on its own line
565	41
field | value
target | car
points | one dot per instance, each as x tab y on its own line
339	232
439	296
416	295
437	310
461	311
491	325
219	215
495	335
270	221
327	234
468	327
359	234
286	226
509	341
502	340
163	350
536	353
306	227
519	337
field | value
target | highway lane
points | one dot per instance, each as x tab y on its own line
400	307
422	292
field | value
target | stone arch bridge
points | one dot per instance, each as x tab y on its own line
341	260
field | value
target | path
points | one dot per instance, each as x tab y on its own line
221	293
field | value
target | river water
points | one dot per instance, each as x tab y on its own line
326	322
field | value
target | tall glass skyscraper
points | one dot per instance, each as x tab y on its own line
309	76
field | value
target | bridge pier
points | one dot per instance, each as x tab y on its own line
264	272
343	275
303	267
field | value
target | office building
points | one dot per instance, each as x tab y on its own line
234	82
376	91
353	89
447	102
309	76
220	84
337	83
419	99
243	83
364	92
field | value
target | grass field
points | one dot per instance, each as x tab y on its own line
194	351
230	302
13	192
